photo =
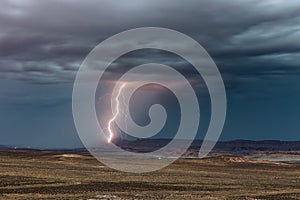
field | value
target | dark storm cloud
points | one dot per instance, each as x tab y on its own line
253	42
47	40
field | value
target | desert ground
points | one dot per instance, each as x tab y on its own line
56	175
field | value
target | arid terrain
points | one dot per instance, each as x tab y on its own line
55	175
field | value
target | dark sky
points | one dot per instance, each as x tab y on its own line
254	43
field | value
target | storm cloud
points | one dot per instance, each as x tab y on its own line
254	43
46	41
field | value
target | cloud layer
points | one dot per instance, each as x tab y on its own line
45	41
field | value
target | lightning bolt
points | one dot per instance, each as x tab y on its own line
110	131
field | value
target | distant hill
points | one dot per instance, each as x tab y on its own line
264	145
229	146
147	145
3	147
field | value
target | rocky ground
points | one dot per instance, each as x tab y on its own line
54	175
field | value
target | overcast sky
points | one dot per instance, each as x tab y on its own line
254	43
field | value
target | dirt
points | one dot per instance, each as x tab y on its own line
54	175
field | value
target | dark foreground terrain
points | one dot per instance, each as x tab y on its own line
53	175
